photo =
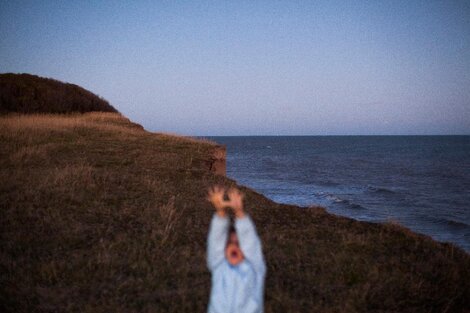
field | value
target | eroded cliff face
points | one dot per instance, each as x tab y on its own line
210	160
218	163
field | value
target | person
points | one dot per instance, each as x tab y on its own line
234	257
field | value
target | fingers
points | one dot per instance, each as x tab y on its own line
219	188
215	191
235	193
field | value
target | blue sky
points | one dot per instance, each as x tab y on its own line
255	67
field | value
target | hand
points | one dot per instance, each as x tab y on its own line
236	202
215	195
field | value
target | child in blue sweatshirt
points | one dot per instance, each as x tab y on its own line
234	257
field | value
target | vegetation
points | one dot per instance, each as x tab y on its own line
99	215
25	93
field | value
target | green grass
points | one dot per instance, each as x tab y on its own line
99	215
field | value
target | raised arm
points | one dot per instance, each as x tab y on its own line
216	241
250	243
218	228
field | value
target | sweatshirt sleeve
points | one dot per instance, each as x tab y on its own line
216	241
250	243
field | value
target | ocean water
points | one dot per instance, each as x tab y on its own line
423	182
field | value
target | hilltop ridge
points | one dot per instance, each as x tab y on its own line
26	93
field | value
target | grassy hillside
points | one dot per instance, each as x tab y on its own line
26	93
99	215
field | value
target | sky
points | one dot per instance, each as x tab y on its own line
213	68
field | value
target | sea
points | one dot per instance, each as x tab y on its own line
422	182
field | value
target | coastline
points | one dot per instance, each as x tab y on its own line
116	220
413	180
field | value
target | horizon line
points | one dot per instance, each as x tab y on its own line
387	135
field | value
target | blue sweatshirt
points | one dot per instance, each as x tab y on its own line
237	288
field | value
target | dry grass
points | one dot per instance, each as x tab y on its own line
25	128
51	122
100	215
173	136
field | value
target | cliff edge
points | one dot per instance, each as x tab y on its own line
100	215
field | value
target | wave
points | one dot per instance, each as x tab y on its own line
327	183
335	199
453	223
380	190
